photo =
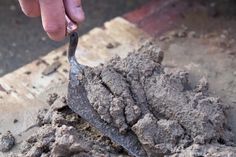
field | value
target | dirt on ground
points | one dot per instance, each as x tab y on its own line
160	105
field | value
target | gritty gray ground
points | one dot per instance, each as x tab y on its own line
23	39
169	116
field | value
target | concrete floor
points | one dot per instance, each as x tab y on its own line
22	39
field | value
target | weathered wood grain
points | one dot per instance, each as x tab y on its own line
20	90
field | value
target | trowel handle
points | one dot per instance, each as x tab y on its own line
75	68
72	44
70	25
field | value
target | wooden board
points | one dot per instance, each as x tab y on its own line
22	94
19	91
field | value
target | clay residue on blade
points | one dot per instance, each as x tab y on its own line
158	104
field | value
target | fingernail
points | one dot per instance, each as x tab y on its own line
70	25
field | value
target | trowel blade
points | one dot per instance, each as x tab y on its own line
79	103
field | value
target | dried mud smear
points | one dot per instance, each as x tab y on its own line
158	104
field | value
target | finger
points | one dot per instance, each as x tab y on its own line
53	18
74	10
30	7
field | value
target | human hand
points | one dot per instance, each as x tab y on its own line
53	13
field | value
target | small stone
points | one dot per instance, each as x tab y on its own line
80	76
25	146
63	100
40	61
52	98
15	120
163	38
203	85
181	34
36	151
7	141
51	68
112	45
56	58
65	71
28	72
64	53
192	34
173	33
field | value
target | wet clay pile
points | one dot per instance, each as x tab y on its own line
158	104
62	133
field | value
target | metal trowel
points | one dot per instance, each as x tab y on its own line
79	103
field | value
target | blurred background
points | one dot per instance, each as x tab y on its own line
22	39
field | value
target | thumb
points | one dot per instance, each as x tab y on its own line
74	10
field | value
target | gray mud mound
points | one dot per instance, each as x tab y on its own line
158	104
168	115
